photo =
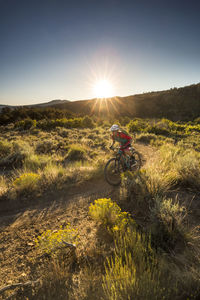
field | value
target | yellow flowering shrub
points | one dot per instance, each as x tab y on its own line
109	213
27	181
51	240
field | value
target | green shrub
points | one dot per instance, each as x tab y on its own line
76	152
168	226
6	148
46	147
189	129
145	138
157	129
188	169
26	124
145	184
87	122
54	174
137	125
66	123
34	162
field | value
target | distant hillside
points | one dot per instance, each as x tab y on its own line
176	104
50	103
45	104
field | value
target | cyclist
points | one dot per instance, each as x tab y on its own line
122	137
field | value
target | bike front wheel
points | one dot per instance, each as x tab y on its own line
112	171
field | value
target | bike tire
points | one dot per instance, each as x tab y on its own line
112	171
138	161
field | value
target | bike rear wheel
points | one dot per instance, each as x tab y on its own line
136	162
112	171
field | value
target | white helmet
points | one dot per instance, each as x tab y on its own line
114	127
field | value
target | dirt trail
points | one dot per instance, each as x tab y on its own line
21	223
19	227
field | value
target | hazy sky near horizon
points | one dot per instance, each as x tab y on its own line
57	49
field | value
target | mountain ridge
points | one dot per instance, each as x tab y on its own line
176	104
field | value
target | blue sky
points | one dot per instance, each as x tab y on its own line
56	49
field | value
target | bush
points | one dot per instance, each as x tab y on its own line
46	147
3	186
109	213
133	272
27	182
51	240
54	174
167	223
145	184
34	162
87	122
26	124
137	125
146	138
158	129
6	148
66	123
76	152
188	169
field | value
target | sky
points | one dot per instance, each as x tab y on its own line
59	49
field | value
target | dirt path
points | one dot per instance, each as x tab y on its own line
21	224
18	229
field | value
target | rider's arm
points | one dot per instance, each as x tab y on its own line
113	141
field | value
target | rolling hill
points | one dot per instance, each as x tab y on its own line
175	104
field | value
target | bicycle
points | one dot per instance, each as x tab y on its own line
121	163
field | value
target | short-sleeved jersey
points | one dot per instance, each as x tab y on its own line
122	137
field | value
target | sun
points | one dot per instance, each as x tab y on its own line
103	89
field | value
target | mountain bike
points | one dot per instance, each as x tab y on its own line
121	163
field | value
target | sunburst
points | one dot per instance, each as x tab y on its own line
103	88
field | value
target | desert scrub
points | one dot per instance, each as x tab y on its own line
35	162
168	227
3	186
145	138
26	182
182	163
52	240
6	148
188	169
87	122
145	184
109	213
46	147
54	174
76	152
134	272
26	124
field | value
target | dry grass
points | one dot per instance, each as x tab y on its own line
139	265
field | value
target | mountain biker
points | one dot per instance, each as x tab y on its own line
122	137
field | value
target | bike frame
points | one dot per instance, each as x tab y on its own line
126	159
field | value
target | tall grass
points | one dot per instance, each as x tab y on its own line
3	186
133	272
168	224
35	162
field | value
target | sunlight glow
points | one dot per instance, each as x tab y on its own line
103	89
